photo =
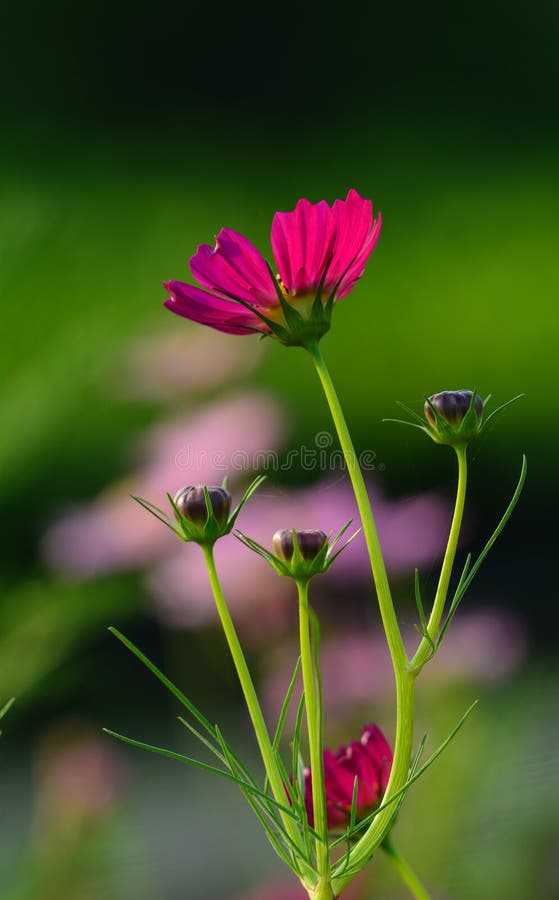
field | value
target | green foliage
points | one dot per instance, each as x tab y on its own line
263	804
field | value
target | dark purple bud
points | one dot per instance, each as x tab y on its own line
452	406
310	543
191	503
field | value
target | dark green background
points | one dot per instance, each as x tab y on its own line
134	133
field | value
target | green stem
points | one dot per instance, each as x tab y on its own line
255	711
322	890
406	872
405	680
380	577
313	706
425	648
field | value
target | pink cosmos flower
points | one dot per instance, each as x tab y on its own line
80	776
369	760
240	294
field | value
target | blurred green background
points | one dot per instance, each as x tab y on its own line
132	134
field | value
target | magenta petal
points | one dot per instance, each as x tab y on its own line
338	780
339	791
302	242
357	762
356	235
234	267
308	796
379	751
199	306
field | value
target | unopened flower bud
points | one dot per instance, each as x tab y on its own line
300	554
201	514
310	543
191	503
452	406
454	417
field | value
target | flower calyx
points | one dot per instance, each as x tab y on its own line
453	417
200	513
300	554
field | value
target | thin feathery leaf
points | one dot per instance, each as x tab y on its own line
213	770
364	823
260	550
200	718
150	507
157	513
502	407
202	739
411	412
339	535
404	422
211	519
424	630
333	556
233	758
264	807
455	600
253	486
466	581
6	707
285	705
296	756
171	754
315	637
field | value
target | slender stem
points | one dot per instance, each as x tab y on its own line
406	872
380	577
313	706
405	680
425	648
255	711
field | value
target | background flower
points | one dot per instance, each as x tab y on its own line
114	167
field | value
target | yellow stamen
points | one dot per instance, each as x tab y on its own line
282	286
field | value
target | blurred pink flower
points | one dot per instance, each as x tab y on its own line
483	645
113	533
80	774
166	366
231	436
313	240
412	531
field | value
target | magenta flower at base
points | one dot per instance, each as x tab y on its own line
370	760
320	252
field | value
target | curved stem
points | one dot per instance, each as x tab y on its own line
255	711
405	680
380	577
313	706
406	872
425	648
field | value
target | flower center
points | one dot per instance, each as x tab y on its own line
302	303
